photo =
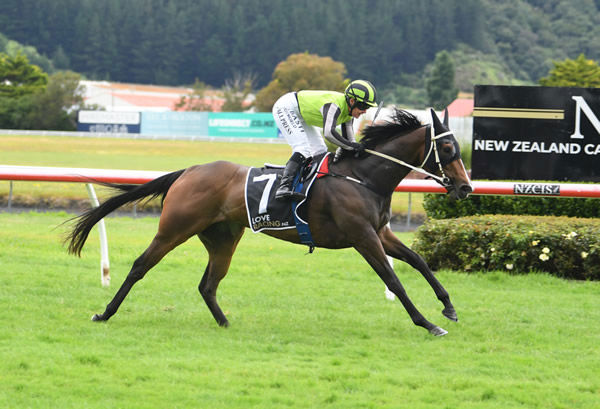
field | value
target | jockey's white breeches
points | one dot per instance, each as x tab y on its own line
303	138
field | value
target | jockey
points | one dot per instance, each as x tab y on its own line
297	112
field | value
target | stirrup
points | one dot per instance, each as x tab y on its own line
288	194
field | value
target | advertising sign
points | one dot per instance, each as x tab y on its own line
175	123
236	124
536	133
108	122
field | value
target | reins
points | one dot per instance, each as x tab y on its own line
443	180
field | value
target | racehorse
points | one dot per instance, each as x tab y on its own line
350	207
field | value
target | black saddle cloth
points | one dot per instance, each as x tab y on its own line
266	213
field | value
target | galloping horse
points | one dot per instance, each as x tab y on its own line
350	210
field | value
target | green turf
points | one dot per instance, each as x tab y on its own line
307	331
138	154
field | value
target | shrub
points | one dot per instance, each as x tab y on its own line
441	207
562	246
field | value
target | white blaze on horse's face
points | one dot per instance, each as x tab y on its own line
461	183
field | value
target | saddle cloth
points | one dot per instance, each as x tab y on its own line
266	213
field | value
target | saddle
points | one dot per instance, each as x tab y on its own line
266	213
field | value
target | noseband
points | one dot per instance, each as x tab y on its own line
443	180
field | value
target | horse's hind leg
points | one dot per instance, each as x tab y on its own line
395	248
149	258
220	241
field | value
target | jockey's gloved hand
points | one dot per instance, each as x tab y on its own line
357	147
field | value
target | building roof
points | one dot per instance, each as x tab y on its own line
113	96
461	107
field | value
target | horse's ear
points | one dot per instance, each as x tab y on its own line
446	117
436	120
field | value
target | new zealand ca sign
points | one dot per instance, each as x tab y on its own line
536	133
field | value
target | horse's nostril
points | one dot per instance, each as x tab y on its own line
466	188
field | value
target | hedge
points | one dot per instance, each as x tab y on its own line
441	207
562	246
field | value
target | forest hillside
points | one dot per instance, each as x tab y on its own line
175	42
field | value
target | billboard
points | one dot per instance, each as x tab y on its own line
536	133
245	125
108	122
175	123
181	123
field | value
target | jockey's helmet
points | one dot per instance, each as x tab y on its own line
363	93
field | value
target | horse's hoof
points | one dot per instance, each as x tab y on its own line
450	313
224	324
438	332
97	317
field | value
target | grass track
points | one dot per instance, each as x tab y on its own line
307	331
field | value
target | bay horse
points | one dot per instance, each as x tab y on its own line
350	210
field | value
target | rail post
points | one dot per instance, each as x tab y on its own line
104	263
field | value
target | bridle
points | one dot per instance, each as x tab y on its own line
442	180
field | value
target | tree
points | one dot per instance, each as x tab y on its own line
18	77
236	92
13	48
195	100
302	71
60	59
580	72
56	107
13	111
441	90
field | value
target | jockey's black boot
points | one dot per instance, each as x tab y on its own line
286	190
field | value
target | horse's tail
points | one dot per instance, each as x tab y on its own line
159	186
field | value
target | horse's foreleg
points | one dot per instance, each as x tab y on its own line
395	248
220	241
372	250
153	254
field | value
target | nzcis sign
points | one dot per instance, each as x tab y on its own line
536	133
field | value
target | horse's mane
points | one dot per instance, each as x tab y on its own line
402	122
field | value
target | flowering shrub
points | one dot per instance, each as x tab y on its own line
562	246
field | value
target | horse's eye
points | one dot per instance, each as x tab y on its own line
447	149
